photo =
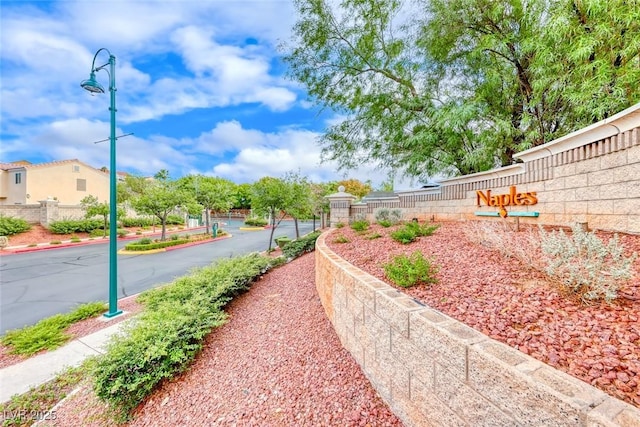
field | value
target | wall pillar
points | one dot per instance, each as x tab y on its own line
340	206
49	212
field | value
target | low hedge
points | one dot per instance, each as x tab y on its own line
300	246
164	339
10	225
138	247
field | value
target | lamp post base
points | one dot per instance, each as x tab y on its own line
109	314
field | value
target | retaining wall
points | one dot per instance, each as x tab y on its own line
435	371
590	176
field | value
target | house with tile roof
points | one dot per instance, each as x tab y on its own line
67	181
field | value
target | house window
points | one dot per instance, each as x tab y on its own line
81	184
76	168
18	178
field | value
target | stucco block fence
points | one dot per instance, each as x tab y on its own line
433	370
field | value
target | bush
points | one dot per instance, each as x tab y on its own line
412	230
411	270
165	338
174	237
10	226
70	226
139	222
387	218
339	225
175	219
255	222
144	241
584	265
360	225
340	238
300	246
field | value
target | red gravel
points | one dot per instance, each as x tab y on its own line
512	303
277	362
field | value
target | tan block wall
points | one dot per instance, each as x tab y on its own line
435	371
598	183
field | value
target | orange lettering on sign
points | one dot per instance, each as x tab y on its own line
513	198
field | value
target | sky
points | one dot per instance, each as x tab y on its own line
200	84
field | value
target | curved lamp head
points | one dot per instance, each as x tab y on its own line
92	85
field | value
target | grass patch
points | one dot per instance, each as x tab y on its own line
341	239
48	333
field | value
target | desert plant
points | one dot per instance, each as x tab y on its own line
584	265
10	226
387	218
360	225
411	270
340	238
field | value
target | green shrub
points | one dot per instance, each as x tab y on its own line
584	265
339	225
412	230
385	223
139	222
10	226
175	219
411	270
282	241
70	226
405	235
122	233
144	241
255	222
340	238
300	246
138	247
360	225
174	237
165	338
49	333
373	236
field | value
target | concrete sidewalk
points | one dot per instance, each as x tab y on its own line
37	370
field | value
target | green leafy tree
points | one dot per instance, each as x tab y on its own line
160	197
352	186
211	193
93	207
300	202
271	196
458	86
243	196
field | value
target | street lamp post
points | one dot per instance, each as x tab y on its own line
93	86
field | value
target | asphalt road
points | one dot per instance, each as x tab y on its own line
39	284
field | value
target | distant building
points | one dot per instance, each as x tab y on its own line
67	181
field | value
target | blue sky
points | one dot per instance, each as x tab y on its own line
199	83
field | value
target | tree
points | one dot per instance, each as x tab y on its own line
352	186
458	86
271	196
93	208
211	193
243	196
299	201
594	47
160	197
